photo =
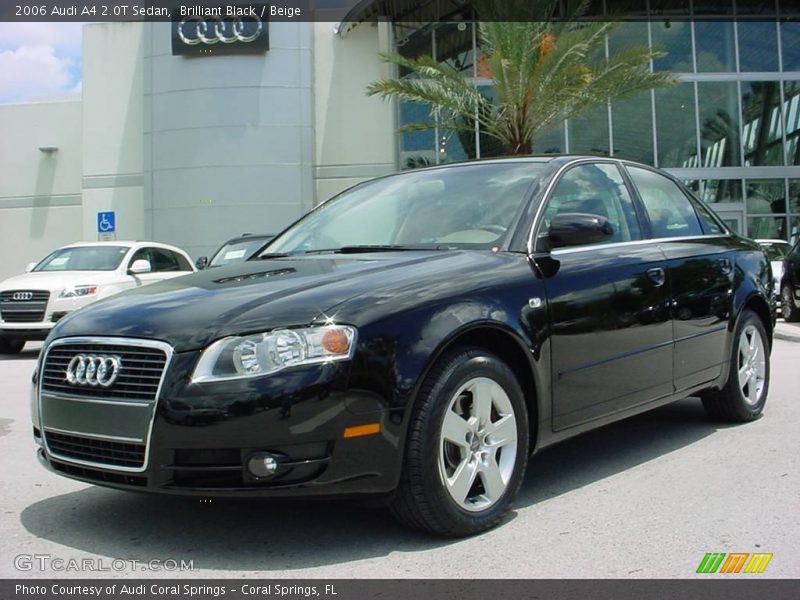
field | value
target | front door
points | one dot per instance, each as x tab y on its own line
608	304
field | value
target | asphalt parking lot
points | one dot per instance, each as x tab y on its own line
646	497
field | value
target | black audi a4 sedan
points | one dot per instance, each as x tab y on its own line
415	339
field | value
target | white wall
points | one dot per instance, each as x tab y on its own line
40	193
355	137
228	139
113	116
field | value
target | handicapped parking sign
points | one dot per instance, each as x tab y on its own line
106	225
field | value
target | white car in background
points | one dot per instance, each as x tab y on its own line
76	275
776	251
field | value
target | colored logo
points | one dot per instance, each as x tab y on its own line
735	562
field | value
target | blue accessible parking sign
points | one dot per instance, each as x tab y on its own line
106	222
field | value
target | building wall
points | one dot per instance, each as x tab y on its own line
40	193
228	140
355	137
113	114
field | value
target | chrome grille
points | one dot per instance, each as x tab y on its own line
138	379
30	310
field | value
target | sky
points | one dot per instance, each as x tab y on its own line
39	59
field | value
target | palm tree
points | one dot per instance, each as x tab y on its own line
542	71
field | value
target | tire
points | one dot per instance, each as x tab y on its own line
11	346
744	395
789	310
448	436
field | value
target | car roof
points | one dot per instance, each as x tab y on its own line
125	244
775	241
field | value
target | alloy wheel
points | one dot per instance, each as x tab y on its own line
751	365
478	444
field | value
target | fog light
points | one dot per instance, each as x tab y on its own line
262	465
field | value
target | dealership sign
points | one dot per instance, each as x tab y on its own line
210	30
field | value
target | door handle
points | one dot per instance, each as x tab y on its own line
657	275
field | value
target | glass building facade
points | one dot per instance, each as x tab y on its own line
730	129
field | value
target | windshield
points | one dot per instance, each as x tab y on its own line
465	206
84	258
777	251
236	251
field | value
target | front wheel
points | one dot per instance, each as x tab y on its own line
11	346
789	310
744	395
467	446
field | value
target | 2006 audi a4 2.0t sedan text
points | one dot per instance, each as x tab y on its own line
416	339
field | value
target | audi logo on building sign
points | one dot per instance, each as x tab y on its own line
210	31
93	370
22	296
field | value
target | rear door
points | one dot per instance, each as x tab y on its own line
700	274
608	304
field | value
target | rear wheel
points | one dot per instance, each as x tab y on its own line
467	447
11	346
744	395
789	310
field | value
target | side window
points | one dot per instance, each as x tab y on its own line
710	224
140	254
670	211
180	260
596	189
163	260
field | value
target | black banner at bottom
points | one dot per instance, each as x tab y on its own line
403	589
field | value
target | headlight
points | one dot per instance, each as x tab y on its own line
266	353
78	291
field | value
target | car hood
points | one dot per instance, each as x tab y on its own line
54	281
192	311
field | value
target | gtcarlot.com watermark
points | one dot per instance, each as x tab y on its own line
48	562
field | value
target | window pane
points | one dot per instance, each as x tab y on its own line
633	128
550	141
761	129
454	46
588	133
719	124
419	43
670	211
766	196
758	46
794	230
790	42
417	148
675	38
794	195
716	50
596	189
766	228
451	145
722	190
791	112
626	35
675	120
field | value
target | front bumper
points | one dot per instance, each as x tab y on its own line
201	436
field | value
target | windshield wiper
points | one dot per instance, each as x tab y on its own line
356	249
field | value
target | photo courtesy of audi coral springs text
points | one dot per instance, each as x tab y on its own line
417	338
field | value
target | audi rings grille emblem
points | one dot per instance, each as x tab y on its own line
93	370
22	296
204	30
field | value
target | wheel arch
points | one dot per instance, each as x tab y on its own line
509	347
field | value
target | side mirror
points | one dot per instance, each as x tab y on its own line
201	263
140	266
578	229
30	266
